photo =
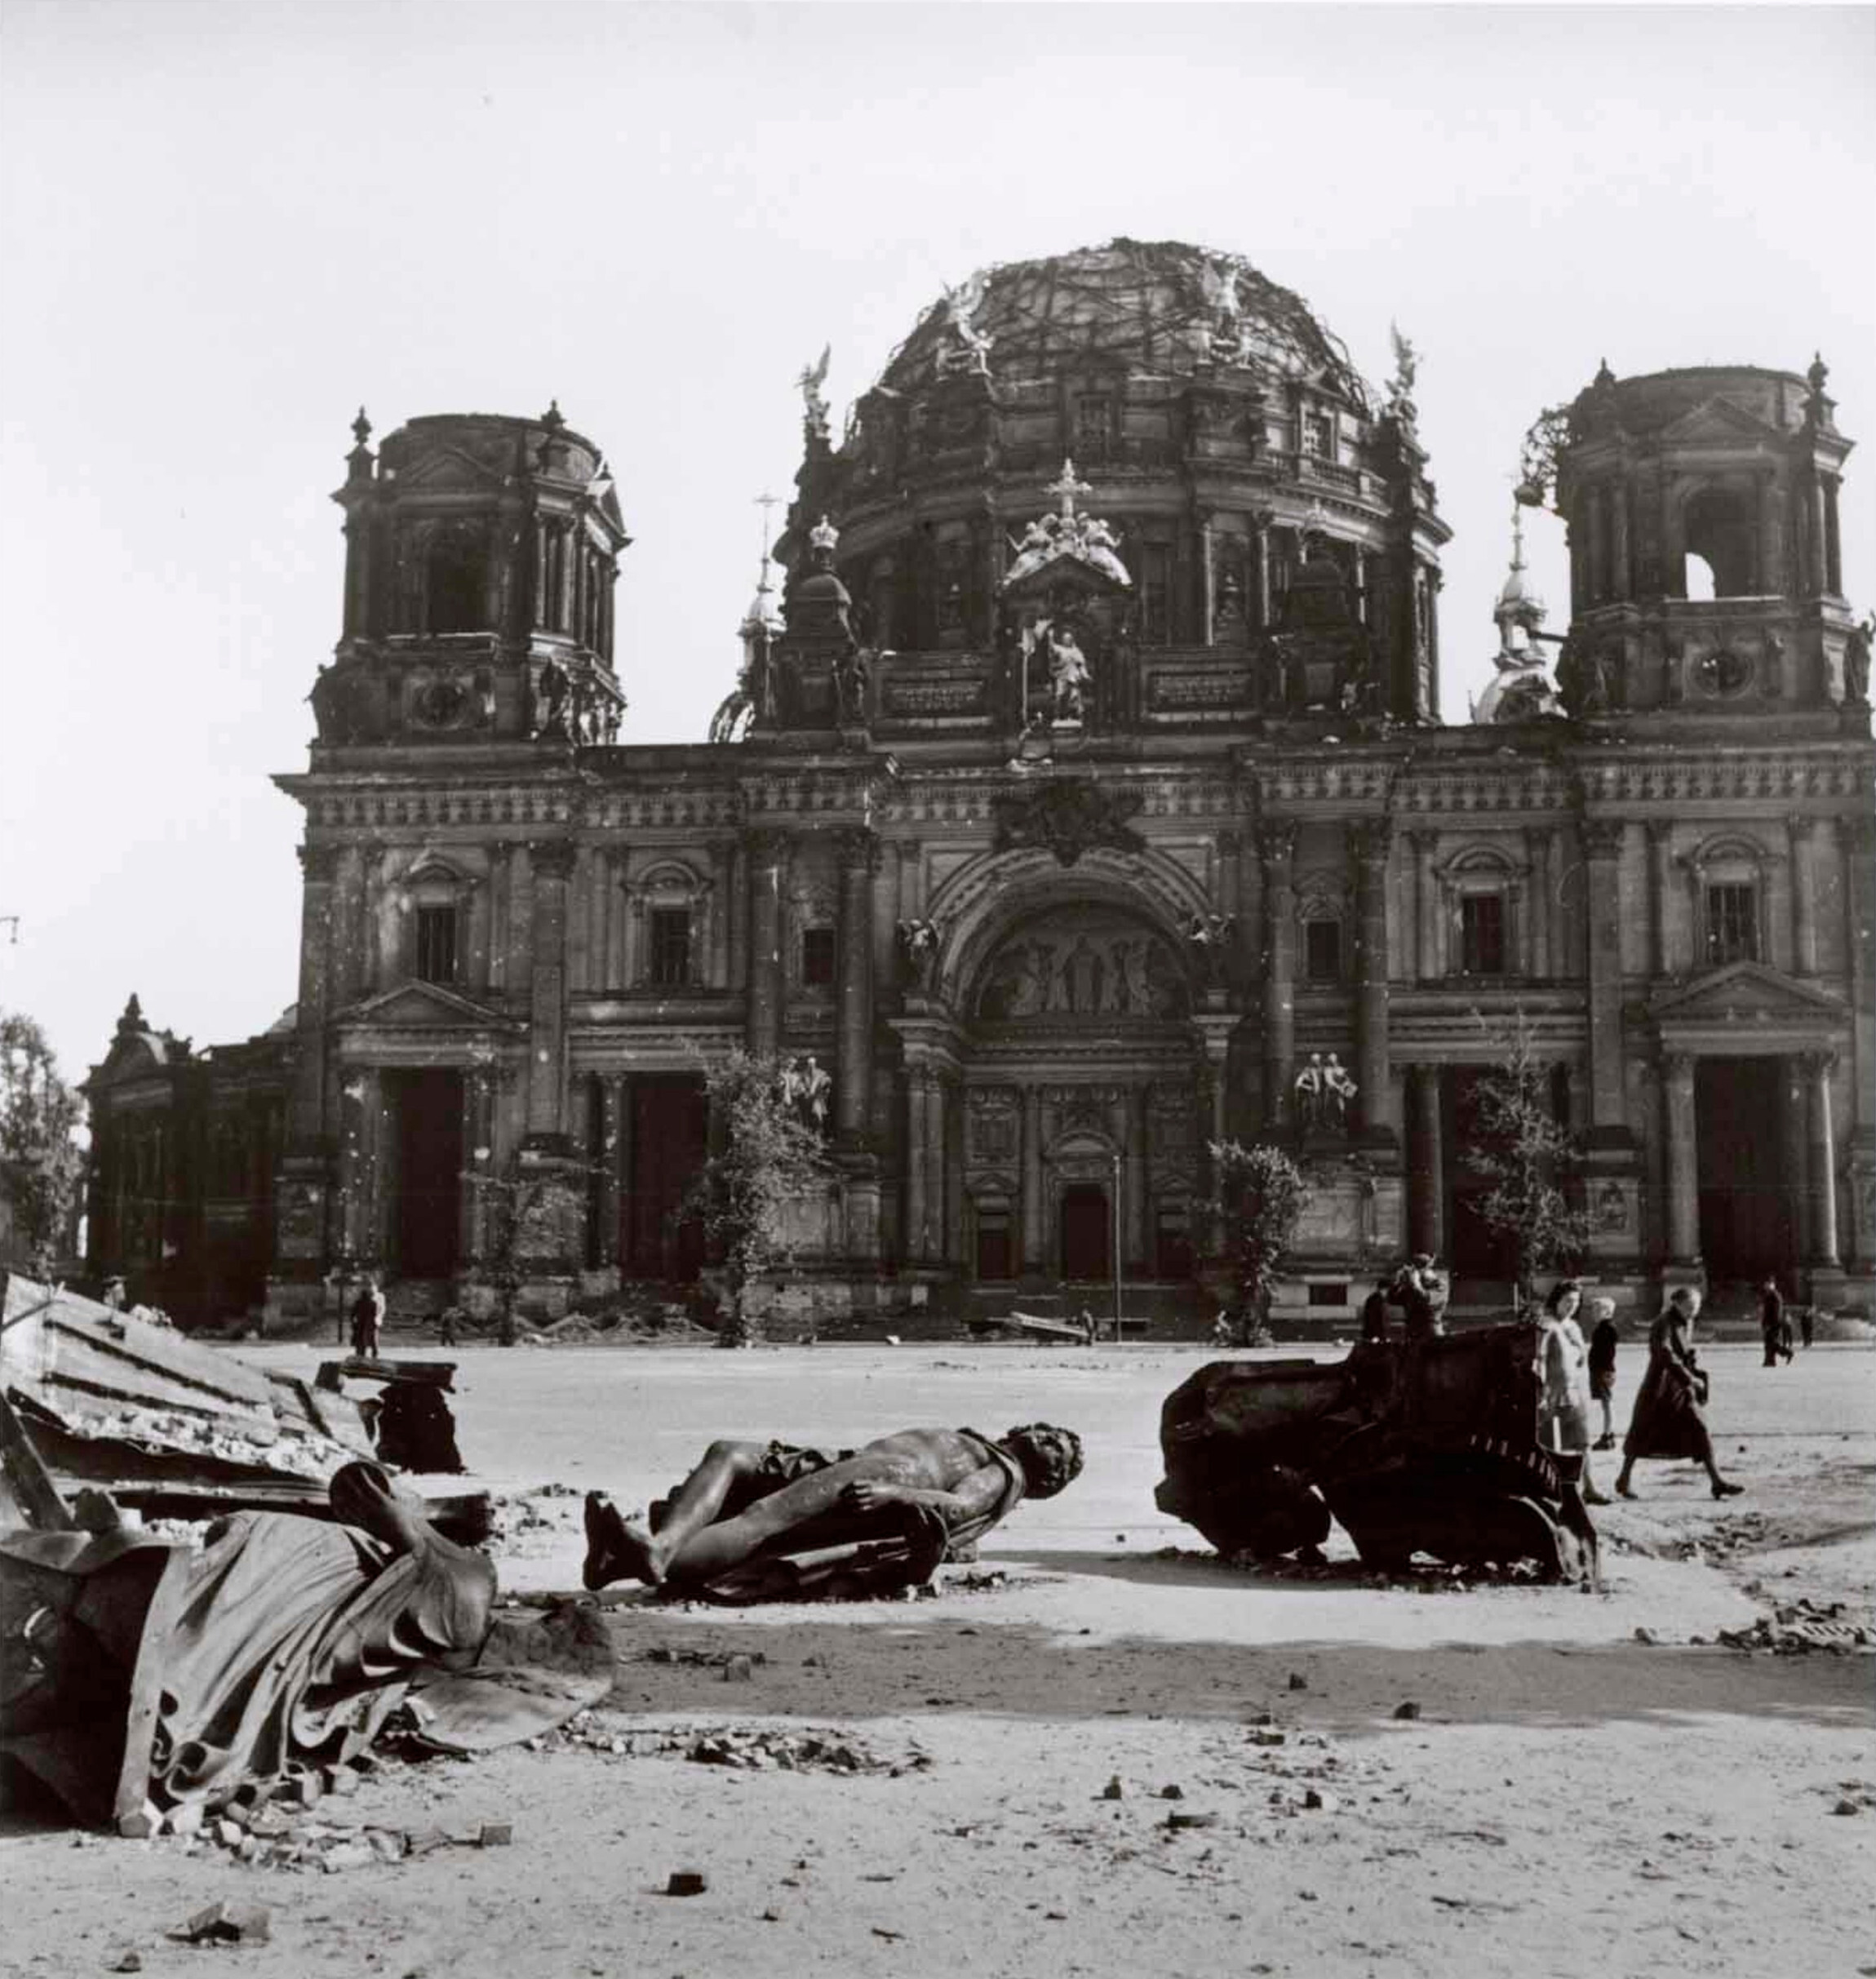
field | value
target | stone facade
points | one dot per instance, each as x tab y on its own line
1085	803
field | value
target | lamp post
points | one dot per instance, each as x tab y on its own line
1117	1253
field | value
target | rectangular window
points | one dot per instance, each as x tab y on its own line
817	957
994	1253
1322	950
1093	421
1332	1295
1732	923
436	944
1319	436
1482	934
670	947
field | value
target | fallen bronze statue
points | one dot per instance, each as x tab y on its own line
766	1522
140	1675
1430	1447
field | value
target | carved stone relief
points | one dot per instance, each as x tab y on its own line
1082	963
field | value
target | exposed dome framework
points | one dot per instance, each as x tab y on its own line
1165	309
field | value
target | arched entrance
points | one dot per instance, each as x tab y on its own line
1084	1220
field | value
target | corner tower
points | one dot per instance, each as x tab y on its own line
1706	577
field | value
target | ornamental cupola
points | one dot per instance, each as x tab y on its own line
481	553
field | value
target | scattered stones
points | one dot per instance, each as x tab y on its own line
1173	1791
1315	1799
1113	1791
739	1669
130	1960
1847	1806
226	1923
687	1882
1178	1822
1269	1735
1407	1711
1298	1681
1646	1636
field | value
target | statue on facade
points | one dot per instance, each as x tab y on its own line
1338	1089
1309	1092
1068	675
1210	936
1857	662
918	941
806	1085
552	689
852	674
961	305
815	411
1400	386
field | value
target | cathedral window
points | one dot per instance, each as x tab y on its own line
1319	436
1094	423
455	579
670	947
817	958
1482	943
436	944
1720	542
1322	950
1732	919
1155	593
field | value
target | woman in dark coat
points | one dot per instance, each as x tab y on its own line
1670	1420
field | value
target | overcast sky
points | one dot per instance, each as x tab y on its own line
227	225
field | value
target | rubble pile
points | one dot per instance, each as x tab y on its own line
1800	1629
747	1747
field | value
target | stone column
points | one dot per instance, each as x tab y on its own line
1543	887
1833	541
1856	841
938	1181
1816	564
1661	879
1771	537
1822	1158
918	1141
1682	1146
1261	519
1795	1155
737	974
768	875
1602	845
1369	848
1622	575
1426	1162
853	1039
1598	576
611	1137
1426	905
1277	844
319	867
1801	832
1137	1236
1034	1247
552	863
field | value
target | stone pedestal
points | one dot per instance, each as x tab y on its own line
550	1208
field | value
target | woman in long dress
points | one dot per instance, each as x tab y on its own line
1563	1368
1670	1419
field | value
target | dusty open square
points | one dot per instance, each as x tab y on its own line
1570	1800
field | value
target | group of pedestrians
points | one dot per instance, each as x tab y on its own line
1668	1419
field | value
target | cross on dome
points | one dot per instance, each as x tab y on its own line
1068	487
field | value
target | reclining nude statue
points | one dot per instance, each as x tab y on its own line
765	1521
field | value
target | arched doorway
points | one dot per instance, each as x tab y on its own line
1083	1221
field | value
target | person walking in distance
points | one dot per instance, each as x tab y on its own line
1669	1418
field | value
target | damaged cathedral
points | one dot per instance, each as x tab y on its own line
1084	799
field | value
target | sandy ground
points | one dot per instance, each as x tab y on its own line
1101	1751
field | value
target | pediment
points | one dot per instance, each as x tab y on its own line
1746	991
138	1054
449	466
427	1006
1718	419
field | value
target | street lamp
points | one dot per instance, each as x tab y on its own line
1117	1263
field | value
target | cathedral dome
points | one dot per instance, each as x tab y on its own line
1160	309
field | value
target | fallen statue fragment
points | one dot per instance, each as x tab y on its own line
139	1675
174	1428
1429	1447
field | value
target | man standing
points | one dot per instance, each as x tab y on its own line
367	1319
1603	1337
1774	1328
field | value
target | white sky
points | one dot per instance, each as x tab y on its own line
226	225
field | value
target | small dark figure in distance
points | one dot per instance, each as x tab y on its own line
368	1318
1774	1328
1374	1312
1604	1337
